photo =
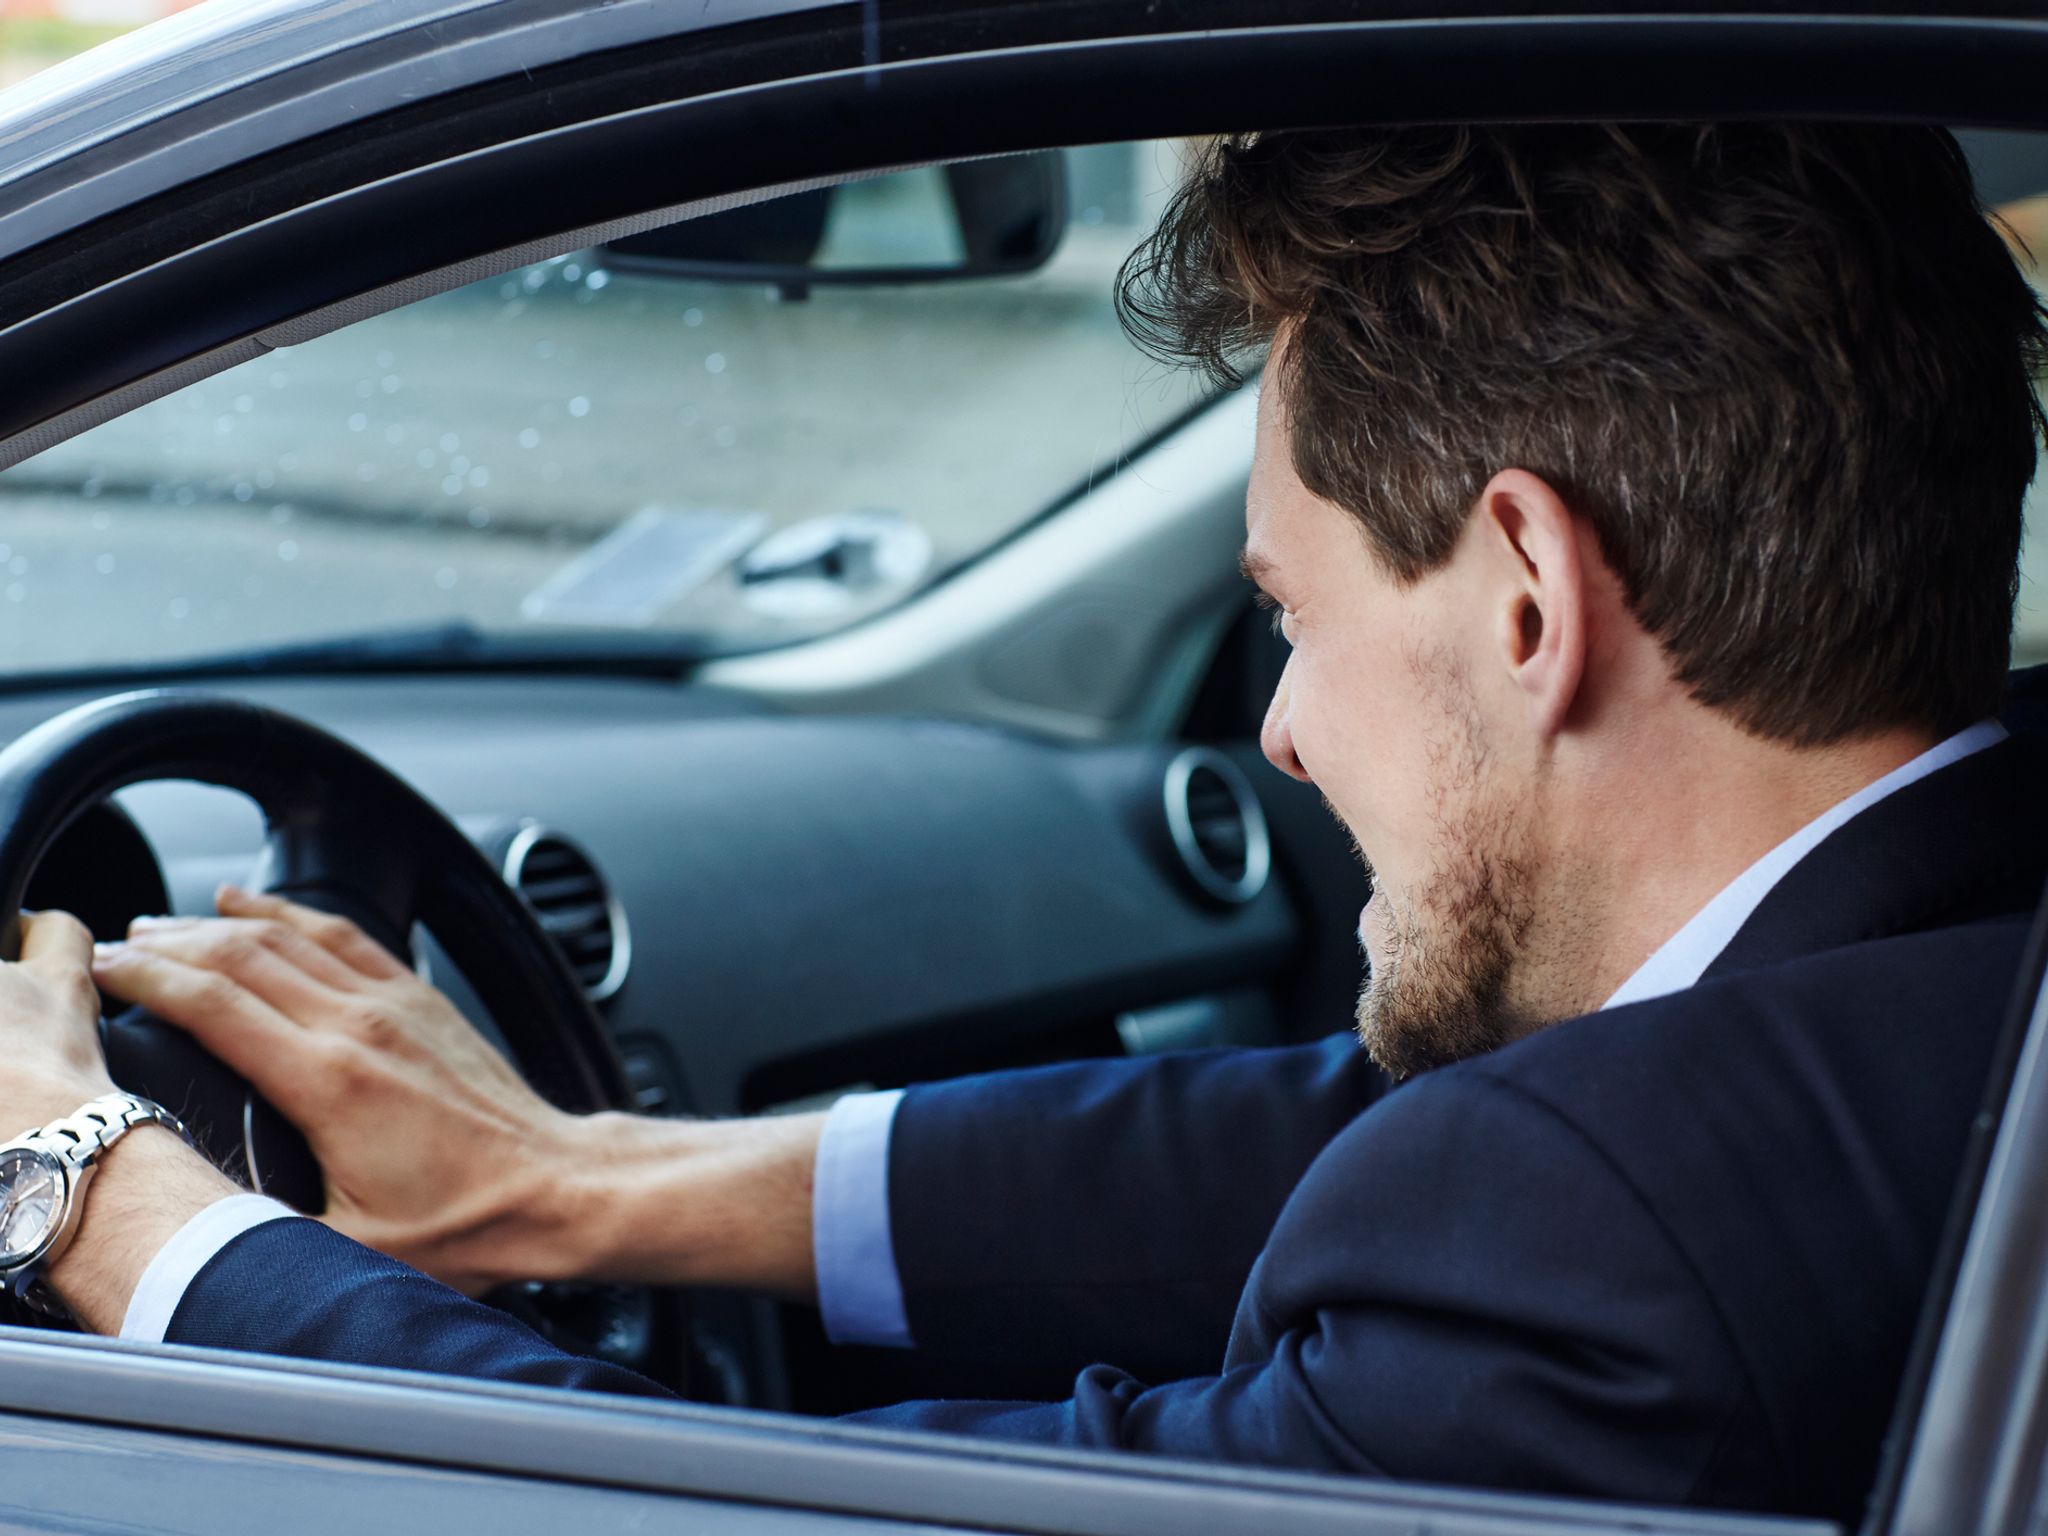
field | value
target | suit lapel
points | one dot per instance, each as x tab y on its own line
1967	842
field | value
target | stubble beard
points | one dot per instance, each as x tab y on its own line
1441	991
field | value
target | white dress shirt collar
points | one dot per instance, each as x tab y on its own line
1682	958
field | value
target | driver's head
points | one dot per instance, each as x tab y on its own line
1607	479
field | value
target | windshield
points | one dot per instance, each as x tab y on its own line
605	444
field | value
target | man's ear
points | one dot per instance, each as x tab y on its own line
1540	626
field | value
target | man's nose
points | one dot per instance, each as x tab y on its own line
1276	736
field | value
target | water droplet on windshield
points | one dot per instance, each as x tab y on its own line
288	550
179	608
450	442
459	465
444	578
715	363
389	383
104	565
479	477
529	438
358	422
597	279
580	406
572	273
424	458
693	316
451	485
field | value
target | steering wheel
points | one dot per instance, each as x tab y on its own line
346	835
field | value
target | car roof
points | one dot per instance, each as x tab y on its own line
404	50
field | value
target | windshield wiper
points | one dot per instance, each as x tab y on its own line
454	646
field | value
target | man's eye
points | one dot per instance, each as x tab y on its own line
1267	600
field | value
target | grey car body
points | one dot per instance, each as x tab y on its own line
252	176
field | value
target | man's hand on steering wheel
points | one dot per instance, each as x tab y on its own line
434	1149
149	1184
49	1016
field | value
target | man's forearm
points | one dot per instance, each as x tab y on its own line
678	1202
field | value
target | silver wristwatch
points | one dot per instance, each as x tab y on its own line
43	1174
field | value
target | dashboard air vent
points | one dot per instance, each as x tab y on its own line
1217	825
574	904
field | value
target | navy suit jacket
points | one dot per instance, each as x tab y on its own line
1669	1252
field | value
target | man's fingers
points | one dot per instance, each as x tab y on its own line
227	1018
337	935
191	938
55	939
57	948
282	967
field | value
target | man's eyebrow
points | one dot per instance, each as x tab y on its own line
1254	568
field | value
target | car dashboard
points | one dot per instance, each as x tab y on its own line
771	909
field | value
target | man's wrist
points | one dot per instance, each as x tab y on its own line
144	1188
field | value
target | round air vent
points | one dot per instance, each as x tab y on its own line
561	883
1218	826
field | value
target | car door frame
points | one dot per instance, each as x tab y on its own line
416	215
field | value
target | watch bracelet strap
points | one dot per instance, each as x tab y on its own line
101	1122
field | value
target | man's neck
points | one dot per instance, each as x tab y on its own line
1663	826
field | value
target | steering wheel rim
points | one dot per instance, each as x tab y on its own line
342	833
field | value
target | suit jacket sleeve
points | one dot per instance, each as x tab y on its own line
1105	1210
1464	1290
301	1288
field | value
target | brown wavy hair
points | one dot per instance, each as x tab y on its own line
1786	372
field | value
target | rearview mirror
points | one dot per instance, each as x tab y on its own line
977	218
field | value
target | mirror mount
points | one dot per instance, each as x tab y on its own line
976	218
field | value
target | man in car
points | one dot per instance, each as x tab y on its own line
1642	507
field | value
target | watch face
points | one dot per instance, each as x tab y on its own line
31	1201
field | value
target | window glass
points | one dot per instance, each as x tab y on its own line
605	443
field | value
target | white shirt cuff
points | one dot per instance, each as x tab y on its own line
860	1294
190	1250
